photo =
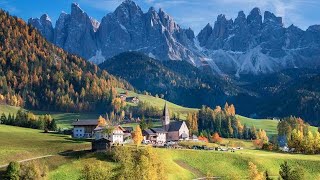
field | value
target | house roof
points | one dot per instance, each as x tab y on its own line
102	140
175	126
128	128
148	132
89	122
158	130
98	128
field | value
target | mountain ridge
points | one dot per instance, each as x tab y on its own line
250	44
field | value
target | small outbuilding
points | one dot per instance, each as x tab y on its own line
101	144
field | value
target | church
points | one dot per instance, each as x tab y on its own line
170	130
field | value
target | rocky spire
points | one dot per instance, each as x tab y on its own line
271	19
254	20
204	34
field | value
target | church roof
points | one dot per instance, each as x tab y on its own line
175	126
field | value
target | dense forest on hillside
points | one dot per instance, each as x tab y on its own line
178	81
290	92
38	75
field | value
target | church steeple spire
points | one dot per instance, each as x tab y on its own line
165	117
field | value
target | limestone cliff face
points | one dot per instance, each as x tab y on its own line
253	44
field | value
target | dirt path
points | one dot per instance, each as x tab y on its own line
30	159
193	170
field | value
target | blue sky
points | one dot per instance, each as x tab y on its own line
188	13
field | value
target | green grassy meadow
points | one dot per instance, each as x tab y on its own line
234	165
270	126
21	143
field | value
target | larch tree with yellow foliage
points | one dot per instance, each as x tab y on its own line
102	121
254	174
137	136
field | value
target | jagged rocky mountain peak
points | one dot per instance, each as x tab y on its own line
241	15
129	8
314	28
249	44
45	18
255	16
272	19
75	9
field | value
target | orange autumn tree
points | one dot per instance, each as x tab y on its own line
216	138
102	121
137	136
203	139
230	110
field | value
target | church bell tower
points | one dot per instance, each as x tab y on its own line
165	118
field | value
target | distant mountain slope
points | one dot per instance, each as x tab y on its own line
178	81
38	75
290	92
250	44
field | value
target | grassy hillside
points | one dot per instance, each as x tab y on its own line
179	164
21	143
235	165
6	109
158	102
267	124
188	164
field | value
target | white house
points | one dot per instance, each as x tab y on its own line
84	128
115	135
155	135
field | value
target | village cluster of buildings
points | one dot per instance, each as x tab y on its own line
169	131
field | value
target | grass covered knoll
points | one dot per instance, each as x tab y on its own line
21	143
270	126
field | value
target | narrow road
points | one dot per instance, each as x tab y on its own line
193	170
30	159
196	172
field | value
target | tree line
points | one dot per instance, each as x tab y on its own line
223	121
298	136
29	120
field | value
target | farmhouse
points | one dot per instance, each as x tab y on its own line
170	131
155	135
134	100
84	128
114	134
